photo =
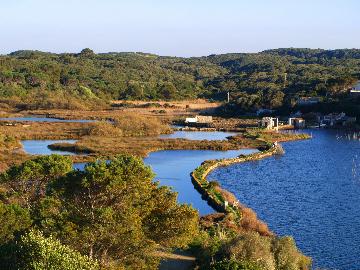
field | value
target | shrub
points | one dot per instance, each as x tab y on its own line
133	124
234	265
105	129
38	253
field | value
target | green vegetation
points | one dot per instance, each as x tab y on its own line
241	217
271	79
111	212
222	249
36	252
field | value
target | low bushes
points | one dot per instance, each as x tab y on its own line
132	124
69	147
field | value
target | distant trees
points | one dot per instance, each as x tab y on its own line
36	80
168	91
87	52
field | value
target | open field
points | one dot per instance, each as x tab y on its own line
162	109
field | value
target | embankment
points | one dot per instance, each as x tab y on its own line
224	201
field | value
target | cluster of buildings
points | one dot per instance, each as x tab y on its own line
273	123
328	120
336	119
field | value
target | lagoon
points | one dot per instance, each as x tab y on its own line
40	147
312	193
173	168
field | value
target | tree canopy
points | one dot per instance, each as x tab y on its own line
112	211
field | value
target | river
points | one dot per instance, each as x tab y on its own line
312	193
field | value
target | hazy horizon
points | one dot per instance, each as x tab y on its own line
178	28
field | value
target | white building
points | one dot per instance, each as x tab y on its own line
270	123
297	122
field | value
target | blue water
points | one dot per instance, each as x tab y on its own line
40	147
45	119
312	193
173	168
198	135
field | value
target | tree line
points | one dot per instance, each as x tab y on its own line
269	79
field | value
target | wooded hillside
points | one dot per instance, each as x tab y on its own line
271	79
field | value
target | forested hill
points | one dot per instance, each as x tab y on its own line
271	79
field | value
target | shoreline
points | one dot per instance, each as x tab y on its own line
203	186
223	201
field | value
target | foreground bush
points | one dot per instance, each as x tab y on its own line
37	252
222	249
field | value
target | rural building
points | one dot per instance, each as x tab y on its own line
297	122
270	123
304	101
335	119
199	120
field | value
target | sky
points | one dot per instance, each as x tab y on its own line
178	27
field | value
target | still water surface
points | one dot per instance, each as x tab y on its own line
173	168
312	193
199	135
40	147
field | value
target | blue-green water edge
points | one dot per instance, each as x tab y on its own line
312	193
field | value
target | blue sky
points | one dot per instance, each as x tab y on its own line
174	27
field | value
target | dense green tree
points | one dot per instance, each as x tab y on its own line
13	219
114	212
26	183
87	52
168	91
